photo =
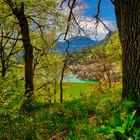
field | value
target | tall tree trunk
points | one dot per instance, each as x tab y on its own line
61	82
28	48
62	78
3	71
3	67
128	22
28	57
55	88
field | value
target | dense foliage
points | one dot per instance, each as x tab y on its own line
33	72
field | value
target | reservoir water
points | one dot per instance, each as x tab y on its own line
73	78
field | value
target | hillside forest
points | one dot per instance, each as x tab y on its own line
58	81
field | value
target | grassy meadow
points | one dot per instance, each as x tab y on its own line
77	90
89	111
85	110
71	91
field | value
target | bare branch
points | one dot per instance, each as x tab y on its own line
70	15
78	25
98	20
49	82
61	5
112	2
40	28
104	24
11	38
98	9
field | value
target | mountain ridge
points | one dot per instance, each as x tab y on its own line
75	43
78	42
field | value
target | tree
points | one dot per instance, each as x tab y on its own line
8	48
30	19
48	71
113	48
100	62
128	22
19	12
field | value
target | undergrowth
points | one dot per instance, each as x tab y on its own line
100	116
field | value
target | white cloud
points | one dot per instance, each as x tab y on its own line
87	23
90	27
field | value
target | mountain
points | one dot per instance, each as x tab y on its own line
106	37
75	43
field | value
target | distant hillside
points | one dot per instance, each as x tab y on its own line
78	43
75	43
87	50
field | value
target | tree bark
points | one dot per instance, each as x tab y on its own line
55	88
62	78
3	66
2	56
28	48
28	57
128	22
3	71
61	82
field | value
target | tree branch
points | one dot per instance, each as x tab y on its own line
112	2
12	38
70	15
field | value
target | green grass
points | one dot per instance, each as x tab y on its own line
72	120
71	91
77	90
93	115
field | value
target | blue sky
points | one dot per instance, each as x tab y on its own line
84	15
107	15
106	11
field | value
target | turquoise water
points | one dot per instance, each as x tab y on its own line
73	78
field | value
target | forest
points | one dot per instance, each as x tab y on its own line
68	73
